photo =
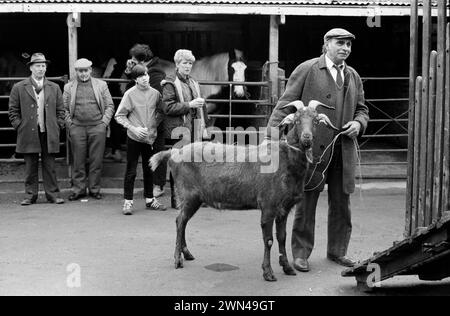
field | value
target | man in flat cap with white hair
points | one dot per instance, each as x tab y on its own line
89	108
329	80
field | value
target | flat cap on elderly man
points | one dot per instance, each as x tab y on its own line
339	34
82	63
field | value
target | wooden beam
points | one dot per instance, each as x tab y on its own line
430	138
440	83
73	22
426	47
416	161
411	181
273	56
446	140
241	8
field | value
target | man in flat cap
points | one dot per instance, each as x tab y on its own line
36	111
329	80
89	109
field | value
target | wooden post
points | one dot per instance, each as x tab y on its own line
446	141
73	22
439	114
426	46
273	56
430	137
416	161
411	203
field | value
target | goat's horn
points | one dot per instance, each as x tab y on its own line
288	119
298	105
326	120
313	104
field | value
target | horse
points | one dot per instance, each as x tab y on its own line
12	65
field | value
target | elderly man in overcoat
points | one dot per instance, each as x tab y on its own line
89	108
329	80
36	111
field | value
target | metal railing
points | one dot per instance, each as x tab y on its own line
61	79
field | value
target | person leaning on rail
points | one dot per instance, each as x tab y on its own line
329	80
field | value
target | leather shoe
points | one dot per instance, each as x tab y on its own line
343	261
27	201
301	265
76	196
57	201
97	196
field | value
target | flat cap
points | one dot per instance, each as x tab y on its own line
83	63
338	33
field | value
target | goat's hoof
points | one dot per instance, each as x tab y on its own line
179	263
289	270
187	255
268	276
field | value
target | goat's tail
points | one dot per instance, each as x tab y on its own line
158	158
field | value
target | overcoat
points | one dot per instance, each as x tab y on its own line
312	80
23	116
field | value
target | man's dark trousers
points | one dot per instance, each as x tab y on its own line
48	172
87	140
339	215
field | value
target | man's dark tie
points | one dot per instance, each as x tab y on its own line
37	87
339	80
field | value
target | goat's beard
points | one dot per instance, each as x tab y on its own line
309	155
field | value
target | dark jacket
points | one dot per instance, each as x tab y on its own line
23	116
312	80
179	113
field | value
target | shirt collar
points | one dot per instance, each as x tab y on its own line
330	63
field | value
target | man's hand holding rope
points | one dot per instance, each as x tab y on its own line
351	129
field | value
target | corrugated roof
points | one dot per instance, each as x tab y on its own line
250	2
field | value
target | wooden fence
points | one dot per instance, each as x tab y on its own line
429	120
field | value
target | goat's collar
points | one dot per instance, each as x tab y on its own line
308	152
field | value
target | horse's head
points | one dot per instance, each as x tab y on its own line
236	71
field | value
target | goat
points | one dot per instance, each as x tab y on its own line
241	185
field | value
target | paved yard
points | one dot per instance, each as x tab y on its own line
43	246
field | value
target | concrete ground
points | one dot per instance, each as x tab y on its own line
44	246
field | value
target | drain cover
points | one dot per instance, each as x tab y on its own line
221	267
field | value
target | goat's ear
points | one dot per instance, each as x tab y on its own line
288	120
326	120
297	104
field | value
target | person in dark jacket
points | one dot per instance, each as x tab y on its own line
329	80
181	94
36	111
141	54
